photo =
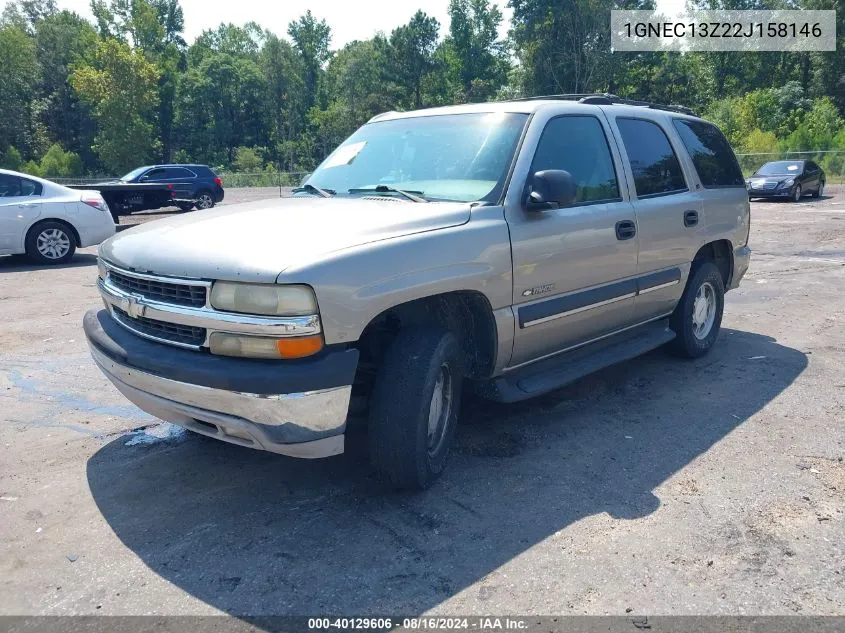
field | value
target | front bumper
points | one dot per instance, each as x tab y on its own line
770	193
293	408
742	259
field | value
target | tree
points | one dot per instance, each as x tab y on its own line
121	86
57	163
478	60
409	55
311	39
19	77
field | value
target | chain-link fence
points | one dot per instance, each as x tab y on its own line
278	179
831	161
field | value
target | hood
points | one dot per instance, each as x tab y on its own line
256	241
759	180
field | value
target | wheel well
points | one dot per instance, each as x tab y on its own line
467	314
719	252
70	226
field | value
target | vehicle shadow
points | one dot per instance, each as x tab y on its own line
20	263
256	534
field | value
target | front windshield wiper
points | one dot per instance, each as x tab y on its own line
308	188
415	196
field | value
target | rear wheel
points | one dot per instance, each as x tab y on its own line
797	193
819	192
698	316
51	242
414	407
204	200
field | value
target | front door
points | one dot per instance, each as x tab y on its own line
574	268
20	204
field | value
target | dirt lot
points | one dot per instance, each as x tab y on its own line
659	486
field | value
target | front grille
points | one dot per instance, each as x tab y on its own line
769	185
166	292
173	332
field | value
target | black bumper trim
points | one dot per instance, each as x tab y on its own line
330	368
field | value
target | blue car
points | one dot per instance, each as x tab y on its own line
193	185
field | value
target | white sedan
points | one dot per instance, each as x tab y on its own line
47	221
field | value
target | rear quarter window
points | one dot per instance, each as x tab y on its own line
711	154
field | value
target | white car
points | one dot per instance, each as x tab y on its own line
48	221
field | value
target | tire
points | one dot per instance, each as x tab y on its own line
696	330
403	449
204	200
819	190
185	206
797	193
50	243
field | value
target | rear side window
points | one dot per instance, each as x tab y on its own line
655	166
13	186
577	144
711	154
178	172
30	187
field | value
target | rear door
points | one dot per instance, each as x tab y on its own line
183	180
20	206
573	268
668	212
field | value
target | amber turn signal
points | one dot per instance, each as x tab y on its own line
300	346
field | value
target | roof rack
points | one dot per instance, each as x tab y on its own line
605	98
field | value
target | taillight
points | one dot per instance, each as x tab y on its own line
218	181
96	202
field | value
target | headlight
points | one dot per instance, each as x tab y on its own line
788	182
270	299
225	344
102	271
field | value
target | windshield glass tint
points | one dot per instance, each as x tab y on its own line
134	174
461	157
781	168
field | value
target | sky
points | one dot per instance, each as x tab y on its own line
349	19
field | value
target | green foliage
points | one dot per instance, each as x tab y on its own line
32	168
57	163
11	159
247	160
121	88
128	89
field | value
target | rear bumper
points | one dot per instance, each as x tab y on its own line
300	409
742	259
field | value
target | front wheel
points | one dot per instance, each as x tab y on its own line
414	407
797	193
698	316
185	206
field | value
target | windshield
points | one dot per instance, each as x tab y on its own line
462	157
132	175
781	168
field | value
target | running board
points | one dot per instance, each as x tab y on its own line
567	367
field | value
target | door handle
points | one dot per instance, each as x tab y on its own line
28	205
690	218
625	230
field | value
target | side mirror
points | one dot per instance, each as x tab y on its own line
551	189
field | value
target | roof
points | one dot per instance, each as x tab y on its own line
591	102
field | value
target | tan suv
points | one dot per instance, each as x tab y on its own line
509	248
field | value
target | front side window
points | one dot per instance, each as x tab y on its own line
577	144
653	161
463	157
10	186
154	174
711	154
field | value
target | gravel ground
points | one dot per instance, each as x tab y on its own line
658	486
